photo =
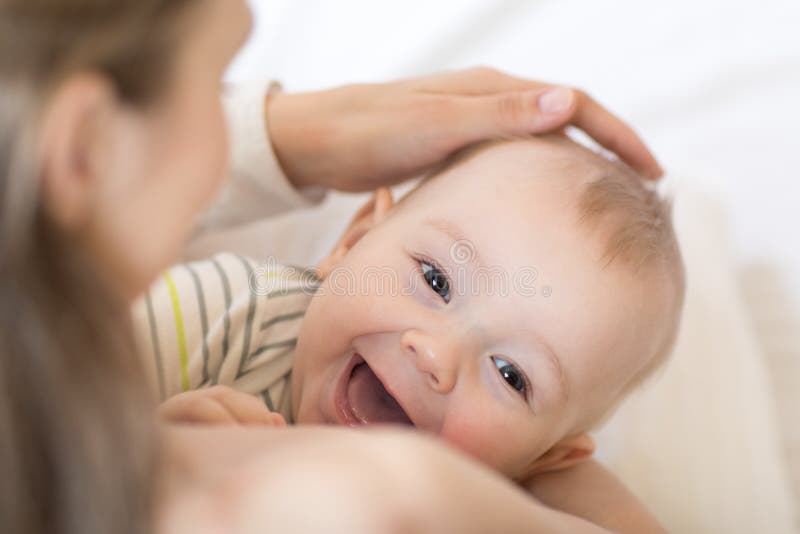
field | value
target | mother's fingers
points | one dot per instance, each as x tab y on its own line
513	104
472	119
475	82
615	135
513	113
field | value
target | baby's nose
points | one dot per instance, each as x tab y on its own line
435	356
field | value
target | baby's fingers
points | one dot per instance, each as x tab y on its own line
246	409
195	409
277	419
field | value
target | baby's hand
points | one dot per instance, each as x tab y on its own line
218	405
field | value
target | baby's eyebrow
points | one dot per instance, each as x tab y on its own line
545	349
462	248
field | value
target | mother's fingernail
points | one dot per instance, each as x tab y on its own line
556	100
657	173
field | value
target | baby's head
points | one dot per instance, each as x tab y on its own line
507	304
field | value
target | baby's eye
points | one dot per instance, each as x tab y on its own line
511	374
436	279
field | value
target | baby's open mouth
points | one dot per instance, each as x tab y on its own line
368	402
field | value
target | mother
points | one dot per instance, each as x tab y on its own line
111	142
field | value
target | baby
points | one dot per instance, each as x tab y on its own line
507	304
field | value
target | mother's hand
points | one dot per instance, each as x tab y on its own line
360	137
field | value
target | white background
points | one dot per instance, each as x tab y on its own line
712	85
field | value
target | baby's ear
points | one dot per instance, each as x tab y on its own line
566	453
366	218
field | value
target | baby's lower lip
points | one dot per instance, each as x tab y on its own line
342	409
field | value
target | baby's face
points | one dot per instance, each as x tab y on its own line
479	310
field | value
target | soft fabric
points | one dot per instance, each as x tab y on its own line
224	321
257	187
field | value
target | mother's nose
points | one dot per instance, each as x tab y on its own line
438	356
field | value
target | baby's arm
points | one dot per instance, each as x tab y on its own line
591	491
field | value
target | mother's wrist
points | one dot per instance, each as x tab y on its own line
287	135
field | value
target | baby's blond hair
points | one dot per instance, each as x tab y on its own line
636	222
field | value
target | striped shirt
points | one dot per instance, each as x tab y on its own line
224	321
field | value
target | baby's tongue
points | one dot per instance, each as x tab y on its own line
370	401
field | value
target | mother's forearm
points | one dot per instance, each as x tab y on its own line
336	480
591	491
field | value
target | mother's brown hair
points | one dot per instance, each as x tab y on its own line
77	446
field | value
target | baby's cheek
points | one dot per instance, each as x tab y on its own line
506	446
484	440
